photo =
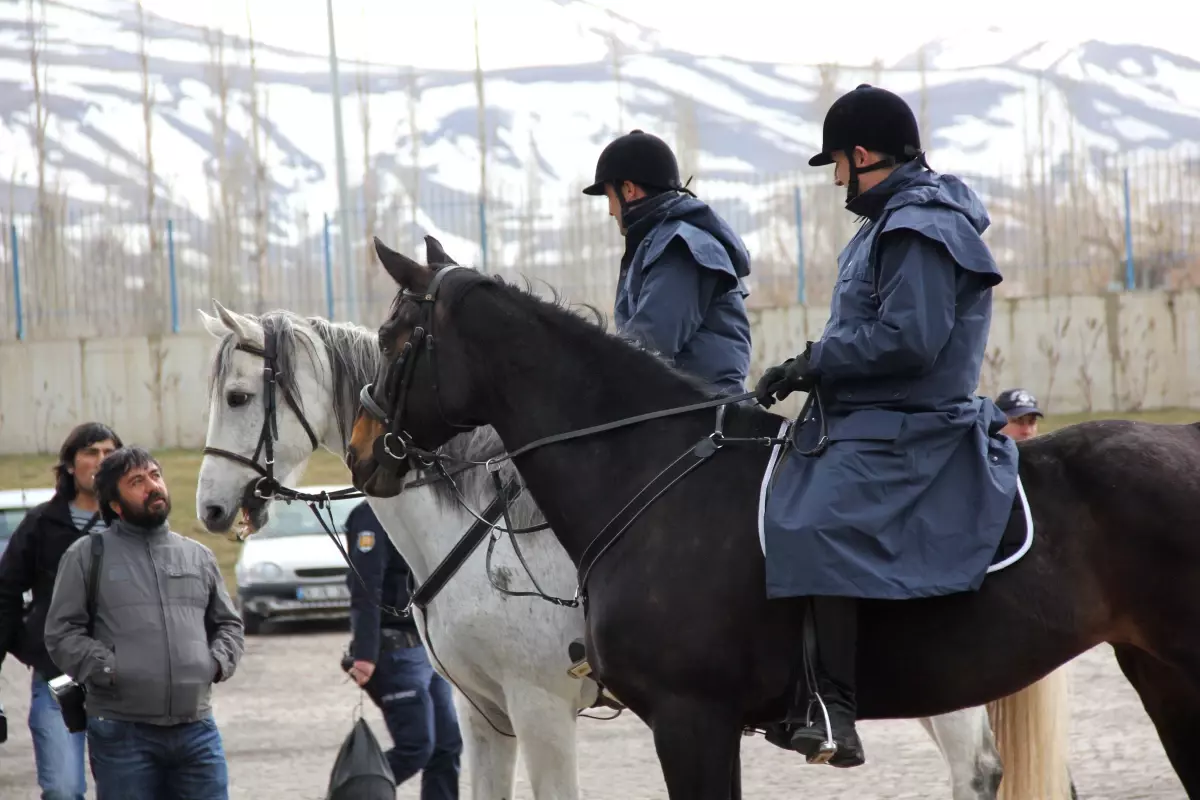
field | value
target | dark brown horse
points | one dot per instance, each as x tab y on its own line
679	625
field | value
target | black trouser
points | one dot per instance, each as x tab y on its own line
836	624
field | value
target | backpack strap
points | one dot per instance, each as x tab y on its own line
97	539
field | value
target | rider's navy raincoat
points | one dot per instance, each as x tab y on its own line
915	490
680	291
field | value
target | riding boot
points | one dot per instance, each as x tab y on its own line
836	626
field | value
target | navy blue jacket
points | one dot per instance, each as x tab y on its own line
681	291
917	485
385	574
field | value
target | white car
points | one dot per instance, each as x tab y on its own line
291	569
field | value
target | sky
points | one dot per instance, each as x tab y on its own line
530	32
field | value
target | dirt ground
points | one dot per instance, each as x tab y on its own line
285	713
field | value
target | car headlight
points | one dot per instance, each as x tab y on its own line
264	571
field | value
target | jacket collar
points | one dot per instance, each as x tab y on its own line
871	203
157	532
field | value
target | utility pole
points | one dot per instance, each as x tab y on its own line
343	193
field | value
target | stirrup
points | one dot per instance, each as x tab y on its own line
827	748
577	652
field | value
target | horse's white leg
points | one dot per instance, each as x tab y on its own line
545	725
966	741
489	757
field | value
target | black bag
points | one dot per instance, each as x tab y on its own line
361	771
72	695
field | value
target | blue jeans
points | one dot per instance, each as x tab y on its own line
57	752
419	711
139	761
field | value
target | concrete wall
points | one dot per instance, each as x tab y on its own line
1118	352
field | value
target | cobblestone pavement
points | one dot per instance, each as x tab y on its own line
285	713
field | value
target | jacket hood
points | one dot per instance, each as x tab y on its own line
913	185
678	206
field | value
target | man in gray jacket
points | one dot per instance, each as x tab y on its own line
164	630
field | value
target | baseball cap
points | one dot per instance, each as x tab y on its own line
1018	403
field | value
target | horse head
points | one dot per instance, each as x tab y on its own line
421	395
271	404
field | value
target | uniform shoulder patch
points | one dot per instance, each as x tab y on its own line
366	542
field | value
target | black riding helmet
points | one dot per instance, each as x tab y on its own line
637	157
873	119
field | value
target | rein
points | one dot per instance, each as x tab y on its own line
396	447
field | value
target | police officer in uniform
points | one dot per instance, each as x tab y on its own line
915	489
680	290
388	660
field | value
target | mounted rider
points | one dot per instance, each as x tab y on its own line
913	494
680	291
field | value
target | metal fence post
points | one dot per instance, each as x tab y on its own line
174	286
16	265
328	273
799	211
1130	282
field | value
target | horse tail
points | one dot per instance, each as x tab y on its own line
1031	730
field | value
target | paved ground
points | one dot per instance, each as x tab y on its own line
285	713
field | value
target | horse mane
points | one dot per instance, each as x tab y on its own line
353	352
585	321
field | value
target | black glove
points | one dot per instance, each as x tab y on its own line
780	381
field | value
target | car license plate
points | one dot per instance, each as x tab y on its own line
332	591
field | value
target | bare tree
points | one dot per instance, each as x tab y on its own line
687	137
527	248
370	188
488	245
37	67
43	283
414	137
153	288
923	117
261	186
614	47
223	271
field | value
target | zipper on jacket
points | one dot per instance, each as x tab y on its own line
162	607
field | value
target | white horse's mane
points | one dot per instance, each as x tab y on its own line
353	353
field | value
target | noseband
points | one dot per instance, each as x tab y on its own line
268	485
387	403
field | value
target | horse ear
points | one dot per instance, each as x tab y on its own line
245	329
212	324
435	253
404	271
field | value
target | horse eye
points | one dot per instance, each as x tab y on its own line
237	399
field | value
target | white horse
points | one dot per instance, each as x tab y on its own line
507	656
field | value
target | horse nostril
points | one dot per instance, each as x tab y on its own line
350	459
213	514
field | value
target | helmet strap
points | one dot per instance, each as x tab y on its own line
855	170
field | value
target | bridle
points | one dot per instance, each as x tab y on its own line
268	485
387	404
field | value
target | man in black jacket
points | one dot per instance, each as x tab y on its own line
30	562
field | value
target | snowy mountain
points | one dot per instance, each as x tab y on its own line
990	104
980	104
